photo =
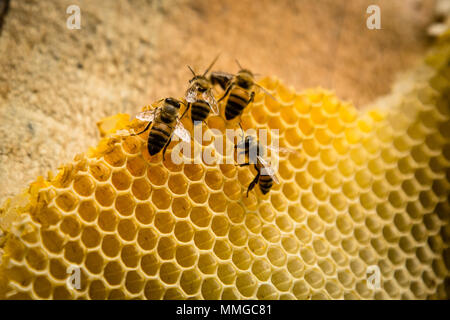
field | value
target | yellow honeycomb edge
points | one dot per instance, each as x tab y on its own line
370	188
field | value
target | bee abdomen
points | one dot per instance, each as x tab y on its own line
200	110
157	139
265	183
160	131
235	106
166	119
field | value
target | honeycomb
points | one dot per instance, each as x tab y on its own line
371	188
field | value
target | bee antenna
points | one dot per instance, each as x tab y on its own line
266	92
191	70
211	65
239	65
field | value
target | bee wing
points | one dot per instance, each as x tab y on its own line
181	132
266	92
268	170
191	94
221	78
146	115
209	97
225	76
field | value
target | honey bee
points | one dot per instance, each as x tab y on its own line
238	88
253	151
164	118
201	106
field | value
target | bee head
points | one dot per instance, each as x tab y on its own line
246	143
173	102
202	82
245	78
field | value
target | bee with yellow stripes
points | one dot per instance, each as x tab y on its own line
199	96
164	122
238	88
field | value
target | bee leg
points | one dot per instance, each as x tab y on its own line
146	128
244	164
252	97
253	184
226	92
242	137
185	110
165	148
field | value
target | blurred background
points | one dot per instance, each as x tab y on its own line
55	83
